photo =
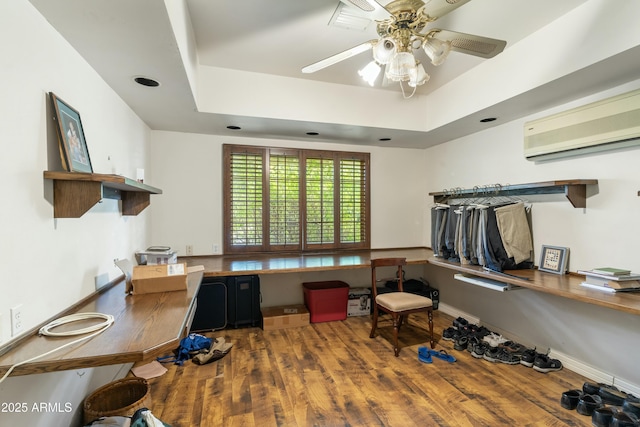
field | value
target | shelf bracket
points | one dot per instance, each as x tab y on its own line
72	199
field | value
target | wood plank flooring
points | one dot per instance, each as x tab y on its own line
333	374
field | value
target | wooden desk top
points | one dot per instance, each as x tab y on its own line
145	326
243	265
566	286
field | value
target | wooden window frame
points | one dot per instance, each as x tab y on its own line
303	156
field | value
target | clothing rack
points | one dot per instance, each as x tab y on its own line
574	190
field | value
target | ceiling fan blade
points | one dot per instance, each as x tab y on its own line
470	44
438	8
375	11
324	63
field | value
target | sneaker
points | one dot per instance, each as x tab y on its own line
544	364
460	323
449	333
473	340
461	343
507	357
494	340
478	349
529	356
496	354
491	354
481	332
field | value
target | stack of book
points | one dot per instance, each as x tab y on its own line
611	279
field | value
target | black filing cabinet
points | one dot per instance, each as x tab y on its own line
232	301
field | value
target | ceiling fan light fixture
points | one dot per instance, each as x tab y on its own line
370	72
418	76
401	67
437	50
384	50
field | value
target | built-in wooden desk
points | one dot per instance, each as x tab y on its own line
145	326
566	286
242	265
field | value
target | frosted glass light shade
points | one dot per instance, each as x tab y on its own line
401	66
418	76
437	50
370	72
384	50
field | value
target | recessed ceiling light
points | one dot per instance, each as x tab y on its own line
487	120
146	81
234	127
313	133
384	139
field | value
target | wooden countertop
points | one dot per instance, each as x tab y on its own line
566	286
146	326
243	265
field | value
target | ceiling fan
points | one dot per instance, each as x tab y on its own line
401	30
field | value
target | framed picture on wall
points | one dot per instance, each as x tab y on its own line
73	146
554	259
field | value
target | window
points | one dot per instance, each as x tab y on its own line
279	199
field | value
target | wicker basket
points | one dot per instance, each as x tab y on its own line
122	397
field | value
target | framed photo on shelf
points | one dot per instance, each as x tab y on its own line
73	146
554	259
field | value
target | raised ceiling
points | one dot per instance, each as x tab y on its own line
123	38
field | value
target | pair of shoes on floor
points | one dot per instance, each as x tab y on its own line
426	355
605	416
582	402
540	362
545	364
502	355
217	351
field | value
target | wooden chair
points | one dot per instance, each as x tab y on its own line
398	304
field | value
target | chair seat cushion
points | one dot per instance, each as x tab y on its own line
401	301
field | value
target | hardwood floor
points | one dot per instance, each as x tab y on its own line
333	374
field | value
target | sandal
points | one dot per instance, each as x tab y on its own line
442	354
424	356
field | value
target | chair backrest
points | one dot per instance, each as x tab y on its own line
386	262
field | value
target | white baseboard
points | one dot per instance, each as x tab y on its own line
568	362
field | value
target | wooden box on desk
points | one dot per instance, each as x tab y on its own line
289	316
148	279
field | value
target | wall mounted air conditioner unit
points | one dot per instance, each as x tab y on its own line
607	124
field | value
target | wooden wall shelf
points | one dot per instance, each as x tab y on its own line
75	193
575	191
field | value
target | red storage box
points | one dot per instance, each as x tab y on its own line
326	301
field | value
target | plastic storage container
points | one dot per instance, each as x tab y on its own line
326	301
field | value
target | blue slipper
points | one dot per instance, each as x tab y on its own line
442	354
423	355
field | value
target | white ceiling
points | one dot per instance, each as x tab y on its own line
124	38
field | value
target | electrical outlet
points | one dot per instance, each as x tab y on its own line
215	249
17	324
189	250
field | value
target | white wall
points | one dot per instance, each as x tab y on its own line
49	264
602	234
190	209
